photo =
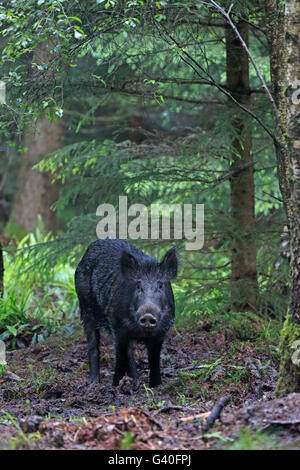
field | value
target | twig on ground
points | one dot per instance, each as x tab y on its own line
198	416
167	408
151	418
280	422
216	412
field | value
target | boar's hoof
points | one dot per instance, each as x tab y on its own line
94	380
154	383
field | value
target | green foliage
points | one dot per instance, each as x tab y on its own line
14	231
249	440
246	326
205	371
2	369
111	66
35	303
127	441
38	378
24	440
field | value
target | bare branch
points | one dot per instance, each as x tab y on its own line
216	412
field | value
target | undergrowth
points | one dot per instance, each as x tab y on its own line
36	303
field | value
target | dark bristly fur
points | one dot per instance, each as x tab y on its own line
118	287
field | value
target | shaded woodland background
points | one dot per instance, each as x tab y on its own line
158	101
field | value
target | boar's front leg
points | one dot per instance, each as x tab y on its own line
131	366
121	353
154	349
93	339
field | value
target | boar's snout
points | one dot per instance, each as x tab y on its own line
148	317
148	321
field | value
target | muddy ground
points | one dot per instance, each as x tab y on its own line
52	406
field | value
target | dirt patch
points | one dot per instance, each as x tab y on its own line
54	407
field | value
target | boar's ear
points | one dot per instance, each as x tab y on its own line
169	263
129	265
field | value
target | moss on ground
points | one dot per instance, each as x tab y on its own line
250	440
289	372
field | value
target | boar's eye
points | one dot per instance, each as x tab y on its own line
160	285
139	287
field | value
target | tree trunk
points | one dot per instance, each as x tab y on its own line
1	272
243	256
275	28
289	374
35	192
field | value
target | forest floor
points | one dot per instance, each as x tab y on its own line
52	406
